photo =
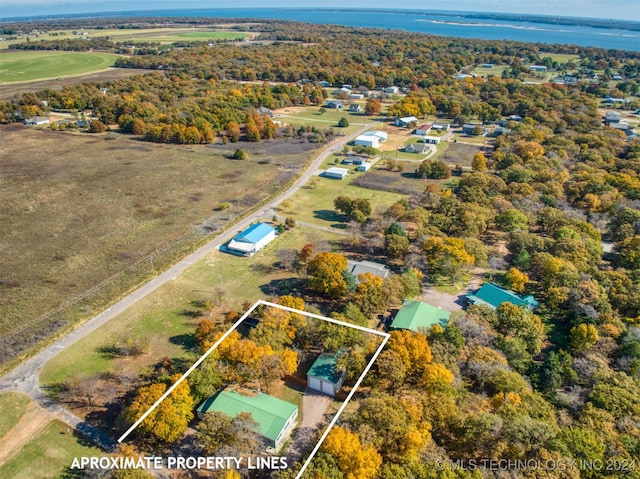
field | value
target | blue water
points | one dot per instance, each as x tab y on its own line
447	24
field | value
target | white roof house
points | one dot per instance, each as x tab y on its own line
364	166
337	173
406	121
252	240
431	140
367	140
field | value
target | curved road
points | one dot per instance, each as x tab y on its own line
25	377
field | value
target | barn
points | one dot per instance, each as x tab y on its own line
337	173
323	375
252	240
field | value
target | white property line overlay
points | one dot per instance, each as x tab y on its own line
385	337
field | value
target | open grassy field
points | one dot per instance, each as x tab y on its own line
47	455
12	408
561	57
27	66
315	205
79	209
311	116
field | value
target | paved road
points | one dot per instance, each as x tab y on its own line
25	377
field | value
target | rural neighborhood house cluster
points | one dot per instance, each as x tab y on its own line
245	248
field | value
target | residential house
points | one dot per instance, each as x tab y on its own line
357	96
361	267
438	125
365	166
469	129
416	148
423	129
611	117
324	84
324	376
493	296
392	90
416	316
406	121
251	240
276	419
337	105
355	108
538	68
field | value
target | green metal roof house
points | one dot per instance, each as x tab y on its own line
416	315
493	296
323	375
276	418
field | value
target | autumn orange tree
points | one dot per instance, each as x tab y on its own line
353	459
327	274
169	420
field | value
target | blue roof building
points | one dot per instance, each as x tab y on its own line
252	240
493	295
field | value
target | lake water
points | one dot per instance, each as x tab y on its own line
449	24
436	23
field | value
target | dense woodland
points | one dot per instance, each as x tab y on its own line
559	383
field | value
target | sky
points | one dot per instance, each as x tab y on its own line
618	9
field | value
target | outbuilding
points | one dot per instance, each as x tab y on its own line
367	140
323	376
337	173
276	418
252	240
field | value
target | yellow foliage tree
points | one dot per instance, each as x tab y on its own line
413	349
517	279
170	418
436	375
354	460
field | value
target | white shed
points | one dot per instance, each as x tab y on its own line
337	173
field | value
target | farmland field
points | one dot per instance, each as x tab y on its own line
27	66
162	35
79	209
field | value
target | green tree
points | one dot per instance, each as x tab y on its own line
582	337
343	123
239	154
511	220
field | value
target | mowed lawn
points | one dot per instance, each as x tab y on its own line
168	317
27	65
314	204
48	454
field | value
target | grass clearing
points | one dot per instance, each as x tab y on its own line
12	408
86	208
167	315
26	65
560	57
315	205
48	455
311	116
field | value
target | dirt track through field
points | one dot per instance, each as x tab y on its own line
35	419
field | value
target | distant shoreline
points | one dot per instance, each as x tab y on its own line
515	17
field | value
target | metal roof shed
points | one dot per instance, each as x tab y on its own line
323	375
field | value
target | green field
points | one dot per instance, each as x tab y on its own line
315	205
48	455
329	119
162	35
12	408
27	66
